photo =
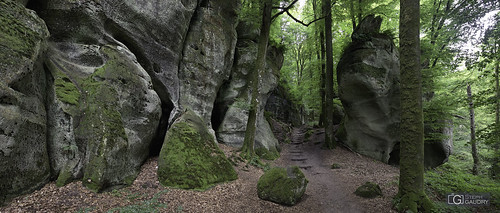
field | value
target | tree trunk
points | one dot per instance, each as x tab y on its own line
495	168
353	17
411	195
329	133
360	11
472	131
322	92
248	145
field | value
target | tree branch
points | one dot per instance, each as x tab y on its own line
301	22
284	10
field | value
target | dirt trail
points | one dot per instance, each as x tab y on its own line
325	189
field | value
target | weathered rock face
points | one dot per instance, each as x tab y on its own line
282	108
282	186
207	56
102	115
368	78
233	100
190	159
154	31
24	162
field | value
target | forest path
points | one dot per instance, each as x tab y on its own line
325	189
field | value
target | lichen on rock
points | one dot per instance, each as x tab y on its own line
189	158
282	186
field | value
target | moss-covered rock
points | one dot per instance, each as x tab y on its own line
282	186
271	154
24	162
103	114
368	190
189	158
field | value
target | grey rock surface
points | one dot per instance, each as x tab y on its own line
24	162
208	57
368	78
234	97
102	119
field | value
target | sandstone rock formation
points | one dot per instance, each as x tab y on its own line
24	161
208	57
102	117
233	100
368	78
92	99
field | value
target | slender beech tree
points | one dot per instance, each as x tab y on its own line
411	196
329	132
472	131
247	151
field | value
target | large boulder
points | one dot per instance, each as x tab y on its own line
284	186
102	114
368	78
208	56
24	163
233	101
189	158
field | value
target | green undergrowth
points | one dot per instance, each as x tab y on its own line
455	176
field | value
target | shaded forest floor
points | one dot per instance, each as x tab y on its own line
329	190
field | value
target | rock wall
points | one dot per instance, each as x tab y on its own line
208	57
92	99
233	101
24	161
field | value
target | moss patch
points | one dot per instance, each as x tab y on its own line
189	158
64	177
282	186
272	154
20	31
66	91
368	190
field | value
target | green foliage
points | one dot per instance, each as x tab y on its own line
455	176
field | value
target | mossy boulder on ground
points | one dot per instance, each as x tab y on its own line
368	190
189	158
282	186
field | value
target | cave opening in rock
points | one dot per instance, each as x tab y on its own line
394	156
157	142
36	5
